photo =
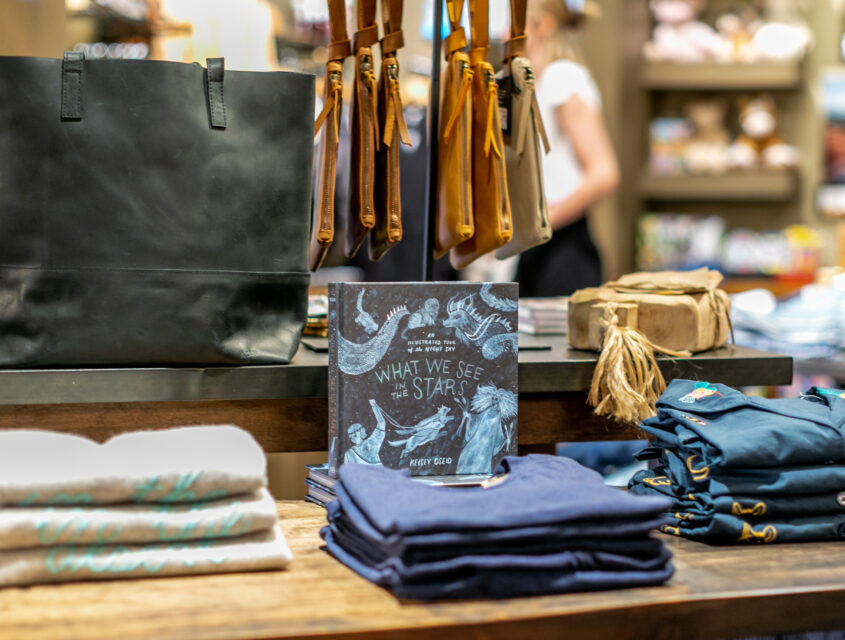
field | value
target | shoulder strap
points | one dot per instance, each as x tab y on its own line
515	46
479	18
339	47
457	39
391	13
367	33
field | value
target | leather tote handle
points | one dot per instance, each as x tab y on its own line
339	45
367	33
457	39
479	18
391	15
515	45
73	73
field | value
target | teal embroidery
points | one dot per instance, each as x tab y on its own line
145	489
29	500
832	392
68	498
99	558
180	492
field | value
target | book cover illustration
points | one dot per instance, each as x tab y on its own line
422	376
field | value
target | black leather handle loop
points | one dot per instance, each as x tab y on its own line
216	105
72	66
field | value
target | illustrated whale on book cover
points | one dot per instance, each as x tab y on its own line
423	376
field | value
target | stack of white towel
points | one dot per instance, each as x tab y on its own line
152	503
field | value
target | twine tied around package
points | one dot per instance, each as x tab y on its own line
627	380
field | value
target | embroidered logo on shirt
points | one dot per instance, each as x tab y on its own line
832	392
701	390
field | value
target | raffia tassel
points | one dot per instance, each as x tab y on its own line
627	380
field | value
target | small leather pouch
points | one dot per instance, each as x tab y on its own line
388	202
490	202
525	140
322	231
364	131
454	222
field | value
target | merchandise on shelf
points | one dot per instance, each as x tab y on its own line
759	144
679	37
707	150
741	35
669	241
669	138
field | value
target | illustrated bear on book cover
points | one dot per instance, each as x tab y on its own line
423	376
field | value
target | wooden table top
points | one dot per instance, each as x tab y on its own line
716	592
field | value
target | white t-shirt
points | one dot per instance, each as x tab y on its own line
557	84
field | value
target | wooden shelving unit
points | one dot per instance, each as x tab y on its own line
715	76
746	186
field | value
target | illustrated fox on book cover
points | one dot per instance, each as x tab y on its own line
422	376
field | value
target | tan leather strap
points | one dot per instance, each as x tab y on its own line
391	14
339	46
367	34
457	39
479	17
515	46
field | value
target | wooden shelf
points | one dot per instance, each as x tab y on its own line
712	75
746	186
716	592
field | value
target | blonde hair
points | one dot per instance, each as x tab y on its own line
563	44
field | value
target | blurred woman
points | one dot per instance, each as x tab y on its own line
581	167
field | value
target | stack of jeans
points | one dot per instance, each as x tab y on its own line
745	469
542	524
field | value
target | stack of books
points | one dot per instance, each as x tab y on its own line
321	485
543	315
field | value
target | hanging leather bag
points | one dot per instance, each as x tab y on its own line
454	218
364	131
490	202
388	202
152	212
525	141
328	122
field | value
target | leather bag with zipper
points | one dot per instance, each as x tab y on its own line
322	230
454	222
525	141
152	212
490	202
391	117
364	131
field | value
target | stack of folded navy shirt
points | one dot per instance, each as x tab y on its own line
746	469
544	524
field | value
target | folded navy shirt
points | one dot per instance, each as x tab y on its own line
536	490
726	428
548	525
501	582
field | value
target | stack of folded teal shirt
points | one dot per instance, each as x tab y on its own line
544	524
746	469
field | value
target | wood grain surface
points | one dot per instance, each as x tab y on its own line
295	424
717	592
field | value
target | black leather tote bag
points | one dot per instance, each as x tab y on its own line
152	212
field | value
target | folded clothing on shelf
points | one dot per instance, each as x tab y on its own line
543	524
266	549
744	469
172	502
184	464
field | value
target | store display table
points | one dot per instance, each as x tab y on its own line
285	407
717	592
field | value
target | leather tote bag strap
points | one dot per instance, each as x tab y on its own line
339	46
479	18
391	15
515	45
457	39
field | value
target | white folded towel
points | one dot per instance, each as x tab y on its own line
186	464
22	527
66	563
